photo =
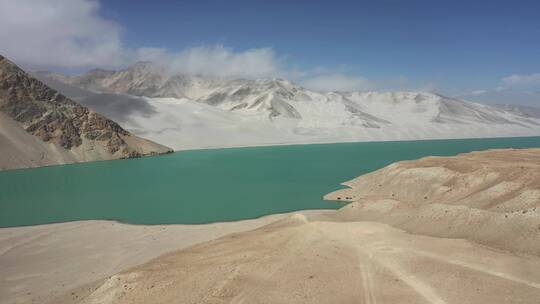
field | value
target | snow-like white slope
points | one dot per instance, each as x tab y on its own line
521	110
189	125
185	124
193	111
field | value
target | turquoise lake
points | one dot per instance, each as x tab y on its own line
204	186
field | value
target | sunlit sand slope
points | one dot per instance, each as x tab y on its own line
298	261
490	197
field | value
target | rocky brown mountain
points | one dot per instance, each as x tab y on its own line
61	123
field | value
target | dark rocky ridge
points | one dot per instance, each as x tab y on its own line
52	117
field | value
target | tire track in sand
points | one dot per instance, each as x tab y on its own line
370	296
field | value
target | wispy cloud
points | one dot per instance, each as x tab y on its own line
513	89
430	86
337	82
73	34
216	61
521	80
478	92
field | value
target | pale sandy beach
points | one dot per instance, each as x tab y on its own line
38	263
298	261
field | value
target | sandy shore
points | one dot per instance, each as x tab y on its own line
298	260
38	263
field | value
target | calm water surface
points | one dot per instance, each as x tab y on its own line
208	185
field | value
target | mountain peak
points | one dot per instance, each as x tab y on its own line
142	65
146	67
8	63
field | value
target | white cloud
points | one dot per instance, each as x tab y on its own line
478	92
514	89
216	61
521	80
430	86
64	33
73	34
337	82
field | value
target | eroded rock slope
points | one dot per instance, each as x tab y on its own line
71	132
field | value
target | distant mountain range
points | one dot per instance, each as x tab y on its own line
39	126
184	111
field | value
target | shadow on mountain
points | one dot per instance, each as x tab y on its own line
114	106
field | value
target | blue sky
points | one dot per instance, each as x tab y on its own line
452	47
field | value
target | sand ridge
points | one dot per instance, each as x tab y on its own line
490	197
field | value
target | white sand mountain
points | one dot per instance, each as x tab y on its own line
240	112
40	126
449	209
